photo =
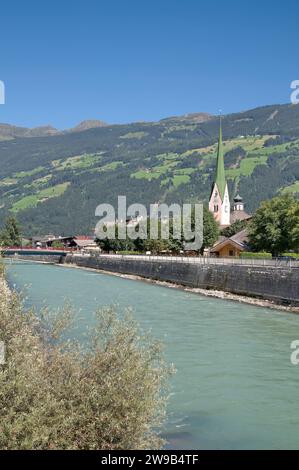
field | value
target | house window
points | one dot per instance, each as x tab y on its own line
216	208
231	253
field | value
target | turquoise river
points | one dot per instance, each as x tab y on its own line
235	387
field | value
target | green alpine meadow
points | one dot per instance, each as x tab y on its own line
55	182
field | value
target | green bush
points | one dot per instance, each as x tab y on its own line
58	245
252	255
55	395
128	252
293	255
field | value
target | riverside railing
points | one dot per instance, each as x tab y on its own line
204	260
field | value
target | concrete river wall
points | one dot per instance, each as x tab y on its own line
276	283
41	258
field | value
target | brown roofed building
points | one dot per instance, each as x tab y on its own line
232	246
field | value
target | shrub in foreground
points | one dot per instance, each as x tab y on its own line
54	395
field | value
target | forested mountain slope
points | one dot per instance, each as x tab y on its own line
53	183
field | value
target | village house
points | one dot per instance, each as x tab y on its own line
75	242
227	247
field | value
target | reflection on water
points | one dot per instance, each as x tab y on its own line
234	388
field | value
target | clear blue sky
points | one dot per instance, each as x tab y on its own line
126	60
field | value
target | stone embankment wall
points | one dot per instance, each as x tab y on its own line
279	284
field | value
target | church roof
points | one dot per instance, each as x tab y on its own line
220	174
239	215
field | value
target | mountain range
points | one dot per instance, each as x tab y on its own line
8	131
53	180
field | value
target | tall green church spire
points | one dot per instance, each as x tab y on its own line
220	174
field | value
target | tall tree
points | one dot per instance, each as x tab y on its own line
275	226
11	234
211	230
116	244
234	228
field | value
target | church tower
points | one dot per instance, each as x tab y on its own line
219	203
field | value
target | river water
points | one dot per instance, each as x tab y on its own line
235	387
